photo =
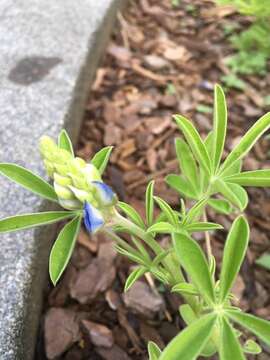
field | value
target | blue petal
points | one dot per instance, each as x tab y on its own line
105	193
93	219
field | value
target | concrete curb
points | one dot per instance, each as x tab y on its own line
49	53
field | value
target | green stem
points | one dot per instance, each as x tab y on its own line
140	233
169	263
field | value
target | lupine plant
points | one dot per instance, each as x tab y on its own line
214	322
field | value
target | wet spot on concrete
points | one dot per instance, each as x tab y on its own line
32	69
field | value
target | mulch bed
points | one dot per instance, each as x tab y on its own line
161	60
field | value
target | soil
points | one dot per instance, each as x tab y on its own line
161	60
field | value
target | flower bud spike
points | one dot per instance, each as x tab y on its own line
70	204
93	219
105	194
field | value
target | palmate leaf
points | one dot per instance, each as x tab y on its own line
250	178
189	317
134	276
64	142
221	206
202	226
161	228
195	212
181	185
259	327
232	192
230	349
28	180
234	169
264	261
134	256
190	342
149	203
62	249
220	125
131	213
26	221
246	143
101	158
187	163
154	351
234	253
251	347
185	288
194	262
168	211
195	142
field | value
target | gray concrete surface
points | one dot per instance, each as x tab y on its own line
49	51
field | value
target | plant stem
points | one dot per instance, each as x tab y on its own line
173	269
207	239
140	233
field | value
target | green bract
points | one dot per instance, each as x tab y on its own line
206	180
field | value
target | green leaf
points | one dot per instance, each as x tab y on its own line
131	213
168	211
194	262
195	142
264	261
230	348
250	178
134	276
140	247
189	317
28	180
257	326
187	163
232	192
221	206
220	125
205	109
234	169
122	243
187	314
195	211
149	203
157	260
161	228
154	351
181	185
64	142
202	226
190	342
185	288
26	221
62	249
101	158
138	258
251	347
233	256
248	140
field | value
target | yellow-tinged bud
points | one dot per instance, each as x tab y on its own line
61	169
47	145
91	174
82	195
62	180
75	181
78	182
63	192
49	167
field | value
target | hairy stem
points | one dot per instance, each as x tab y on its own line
207	239
170	265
